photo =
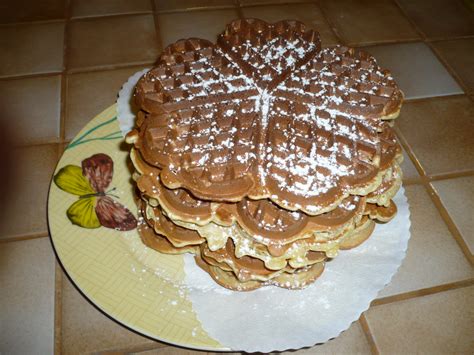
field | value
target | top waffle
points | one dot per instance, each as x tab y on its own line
265	113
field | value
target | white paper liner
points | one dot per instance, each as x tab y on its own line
275	319
126	110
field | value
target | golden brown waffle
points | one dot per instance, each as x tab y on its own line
265	113
295	280
160	243
178	236
381	213
264	154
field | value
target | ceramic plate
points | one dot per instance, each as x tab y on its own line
112	267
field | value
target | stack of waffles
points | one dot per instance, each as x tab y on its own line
264	154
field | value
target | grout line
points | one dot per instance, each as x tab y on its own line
448	67
412	23
412	181
422	292
238	7
107	67
86	17
195	9
24	237
138	348
449	222
332	26
428	42
64	78
434	98
273	3
159	41
32	22
33	143
94	18
383	42
30	76
368	334
78	70
448	38
58	271
446	176
411	155
58	282
426	182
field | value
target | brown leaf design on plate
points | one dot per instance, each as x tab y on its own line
98	169
113	214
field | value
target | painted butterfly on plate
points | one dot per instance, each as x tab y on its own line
95	206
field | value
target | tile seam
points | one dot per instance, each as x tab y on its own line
33	22
409	19
30	76
238	7
159	41
64	78
411	154
91	19
384	42
453	229
271	3
422	292
57	342
331	25
107	67
195	9
428	41
444	214
368	334
449	176
136	348
85	17
23	237
58	282
448	67
432	98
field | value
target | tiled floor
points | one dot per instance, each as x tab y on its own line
63	61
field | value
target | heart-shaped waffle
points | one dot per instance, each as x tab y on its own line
265	113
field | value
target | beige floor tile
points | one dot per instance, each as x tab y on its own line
112	40
25	10
433	256
200	24
458	54
85	8
352	341
440	133
259	2
363	21
171	350
27	306
32	107
441	323
410	174
416	69
173	5
85	329
27	196
31	48
88	94
440	18
309	14
457	196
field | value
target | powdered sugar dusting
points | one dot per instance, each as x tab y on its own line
298	118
